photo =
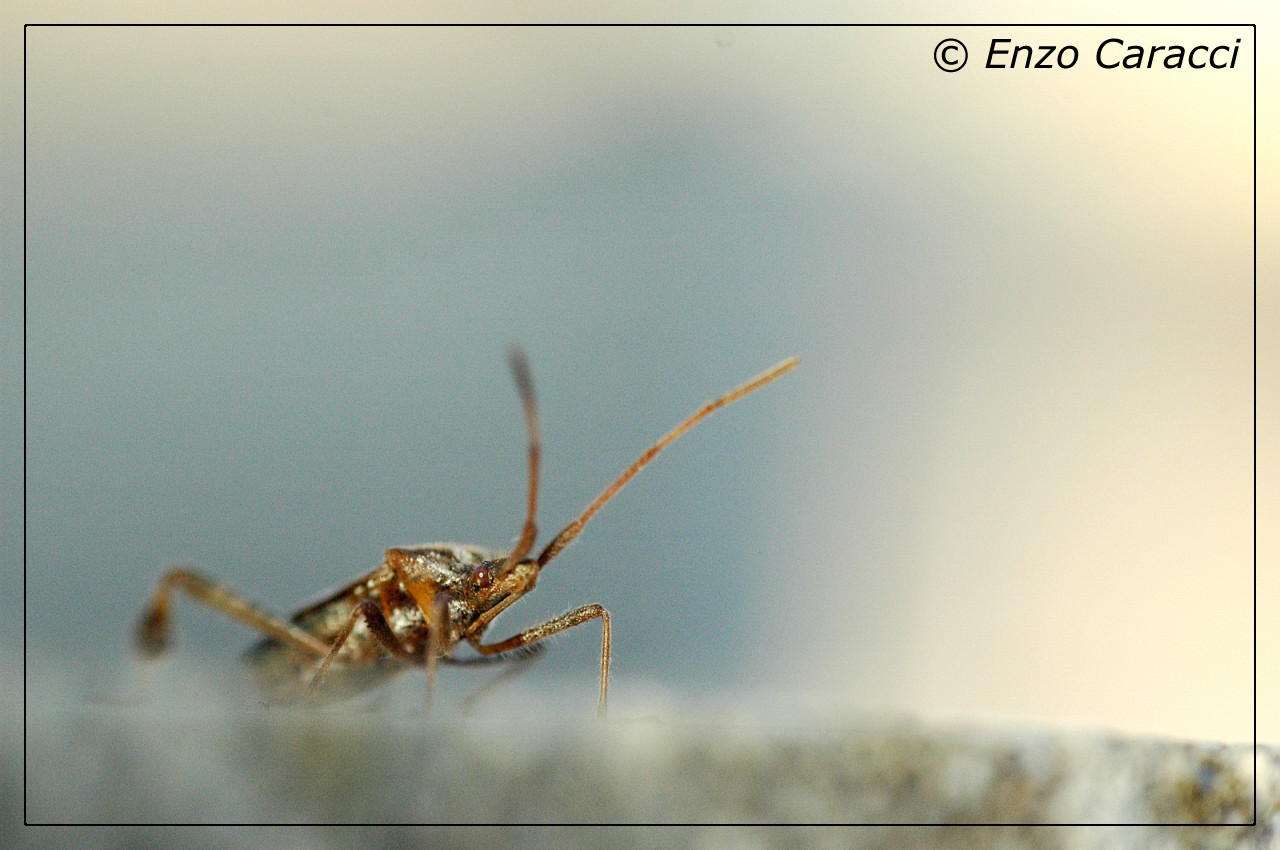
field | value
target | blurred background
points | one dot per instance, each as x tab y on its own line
271	272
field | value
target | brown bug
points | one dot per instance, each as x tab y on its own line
421	602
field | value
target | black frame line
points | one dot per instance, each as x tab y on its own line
26	706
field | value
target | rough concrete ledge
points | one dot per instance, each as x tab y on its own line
943	786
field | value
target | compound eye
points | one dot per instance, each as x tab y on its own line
482	576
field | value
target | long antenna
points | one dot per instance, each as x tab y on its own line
574	528
524	385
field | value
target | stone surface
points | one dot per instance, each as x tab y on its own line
526	757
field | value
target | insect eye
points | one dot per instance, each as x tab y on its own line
481	576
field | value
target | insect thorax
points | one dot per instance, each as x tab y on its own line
452	567
446	564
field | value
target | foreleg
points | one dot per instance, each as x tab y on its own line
576	617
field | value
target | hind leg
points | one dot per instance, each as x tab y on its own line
152	633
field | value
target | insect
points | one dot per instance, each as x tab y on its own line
421	602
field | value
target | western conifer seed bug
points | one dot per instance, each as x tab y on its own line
421	602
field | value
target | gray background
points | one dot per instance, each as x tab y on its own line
271	274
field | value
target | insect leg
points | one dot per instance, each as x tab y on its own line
152	633
437	640
576	617
378	627
516	655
